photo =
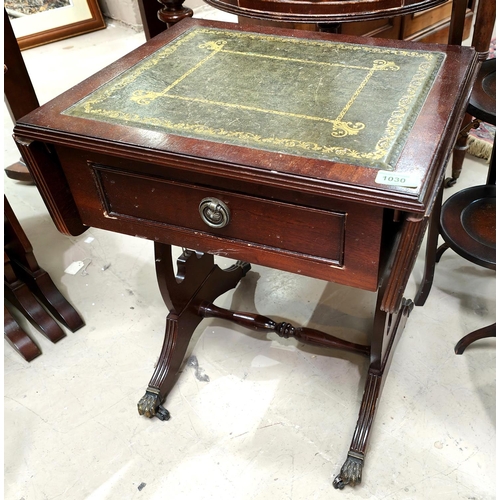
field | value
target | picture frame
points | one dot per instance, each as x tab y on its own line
80	16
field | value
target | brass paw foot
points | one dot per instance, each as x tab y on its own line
350	474
149	406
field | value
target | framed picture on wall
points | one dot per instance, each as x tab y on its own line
36	22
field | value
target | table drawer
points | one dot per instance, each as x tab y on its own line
317	236
281	226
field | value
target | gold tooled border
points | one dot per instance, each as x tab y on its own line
427	71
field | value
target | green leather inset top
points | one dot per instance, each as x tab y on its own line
318	99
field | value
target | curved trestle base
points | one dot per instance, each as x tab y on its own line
189	294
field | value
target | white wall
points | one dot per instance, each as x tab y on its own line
192	4
127	11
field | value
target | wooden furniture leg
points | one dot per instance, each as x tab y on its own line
19	93
482	333
44	289
152	25
173	11
21	256
18	338
430	252
460	149
482	103
386	326
492	170
20	296
387	329
197	279
467	223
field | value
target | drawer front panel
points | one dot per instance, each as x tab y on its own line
295	229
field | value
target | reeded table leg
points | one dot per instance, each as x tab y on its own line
386	332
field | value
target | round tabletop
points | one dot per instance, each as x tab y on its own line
468	224
322	11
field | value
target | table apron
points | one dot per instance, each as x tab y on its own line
332	240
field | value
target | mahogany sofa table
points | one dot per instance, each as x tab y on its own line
312	153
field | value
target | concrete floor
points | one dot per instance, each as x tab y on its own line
275	419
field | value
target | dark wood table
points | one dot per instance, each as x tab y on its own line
312	153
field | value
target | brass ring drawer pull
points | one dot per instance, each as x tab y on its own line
214	212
